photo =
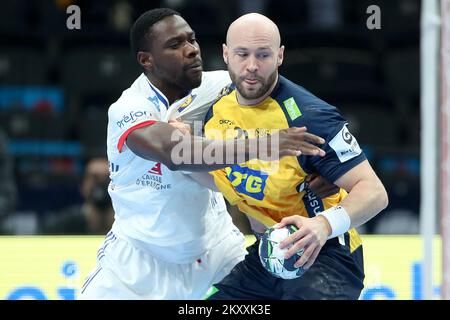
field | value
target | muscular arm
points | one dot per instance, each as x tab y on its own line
156	143
367	195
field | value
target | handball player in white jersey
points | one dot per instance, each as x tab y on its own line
172	237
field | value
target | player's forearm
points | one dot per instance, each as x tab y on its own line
366	199
199	154
163	143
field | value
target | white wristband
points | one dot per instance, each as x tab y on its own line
338	219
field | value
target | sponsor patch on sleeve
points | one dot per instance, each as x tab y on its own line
345	145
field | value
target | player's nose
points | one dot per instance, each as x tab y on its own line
191	50
252	64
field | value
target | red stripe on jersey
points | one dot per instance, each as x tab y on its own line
124	136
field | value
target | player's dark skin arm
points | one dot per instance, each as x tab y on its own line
321	186
155	143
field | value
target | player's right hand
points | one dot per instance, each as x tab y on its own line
296	141
311	236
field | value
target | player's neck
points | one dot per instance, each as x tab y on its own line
171	92
253	102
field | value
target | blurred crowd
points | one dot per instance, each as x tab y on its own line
56	85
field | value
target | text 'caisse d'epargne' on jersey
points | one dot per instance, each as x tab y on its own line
269	191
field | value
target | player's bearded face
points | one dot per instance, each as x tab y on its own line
252	86
252	65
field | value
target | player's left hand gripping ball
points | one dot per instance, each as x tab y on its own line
272	257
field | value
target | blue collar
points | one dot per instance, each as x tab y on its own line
160	97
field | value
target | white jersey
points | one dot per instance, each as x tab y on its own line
158	210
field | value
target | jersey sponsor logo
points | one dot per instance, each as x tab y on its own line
156	169
292	108
186	102
153	179
247	181
313	203
226	122
345	145
132	117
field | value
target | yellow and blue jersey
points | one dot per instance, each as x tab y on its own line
268	195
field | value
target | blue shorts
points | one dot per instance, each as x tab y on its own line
336	274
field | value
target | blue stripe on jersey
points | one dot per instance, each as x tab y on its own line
114	167
160	97
88	280
110	239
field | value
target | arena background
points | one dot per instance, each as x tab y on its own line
57	81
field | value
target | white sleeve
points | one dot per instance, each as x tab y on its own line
128	114
212	85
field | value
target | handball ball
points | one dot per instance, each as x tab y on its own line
272	257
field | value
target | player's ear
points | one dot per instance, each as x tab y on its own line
280	56
145	59
225	53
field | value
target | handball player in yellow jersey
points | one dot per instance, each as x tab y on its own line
260	102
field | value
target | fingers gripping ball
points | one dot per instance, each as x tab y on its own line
272	257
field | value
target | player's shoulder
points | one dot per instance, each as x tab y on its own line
299	104
216	76
135	97
127	101
226	87
286	91
213	82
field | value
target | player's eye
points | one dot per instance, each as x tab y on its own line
175	45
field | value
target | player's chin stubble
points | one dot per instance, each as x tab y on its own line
195	81
253	94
